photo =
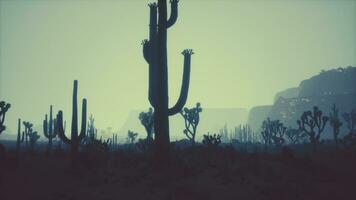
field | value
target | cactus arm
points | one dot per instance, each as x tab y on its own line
84	120
146	50
185	83
45	127
174	13
61	133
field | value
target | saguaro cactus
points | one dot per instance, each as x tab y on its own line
4	107
19	138
155	53
50	128
75	138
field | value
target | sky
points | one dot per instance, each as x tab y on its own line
245	52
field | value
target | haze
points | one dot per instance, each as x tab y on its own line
246	51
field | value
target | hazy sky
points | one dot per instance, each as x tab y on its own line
246	51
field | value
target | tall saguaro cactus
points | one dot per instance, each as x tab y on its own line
75	137
49	128
19	139
155	53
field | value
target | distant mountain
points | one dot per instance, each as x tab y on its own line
332	82
336	86
211	120
288	93
257	115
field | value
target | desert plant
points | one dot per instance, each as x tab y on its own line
131	137
146	119
211	140
19	138
92	132
294	136
224	134
155	53
350	118
191	121
31	135
97	146
4	107
273	132
243	134
335	123
75	138
50	129
313	124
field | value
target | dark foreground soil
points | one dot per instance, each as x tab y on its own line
197	173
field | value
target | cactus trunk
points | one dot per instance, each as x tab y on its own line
155	53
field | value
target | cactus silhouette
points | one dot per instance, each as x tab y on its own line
335	123
273	132
350	119
191	121
50	129
19	138
31	135
4	107
146	119
76	138
313	124
92	131
155	53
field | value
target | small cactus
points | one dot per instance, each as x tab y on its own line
75	137
50	129
211	140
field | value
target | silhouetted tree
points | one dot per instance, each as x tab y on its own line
146	119
273	132
335	123
31	134
191	121
313	123
75	138
155	53
131	137
294	136
4	107
350	118
211	140
50	129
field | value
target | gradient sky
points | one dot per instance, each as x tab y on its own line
246	51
